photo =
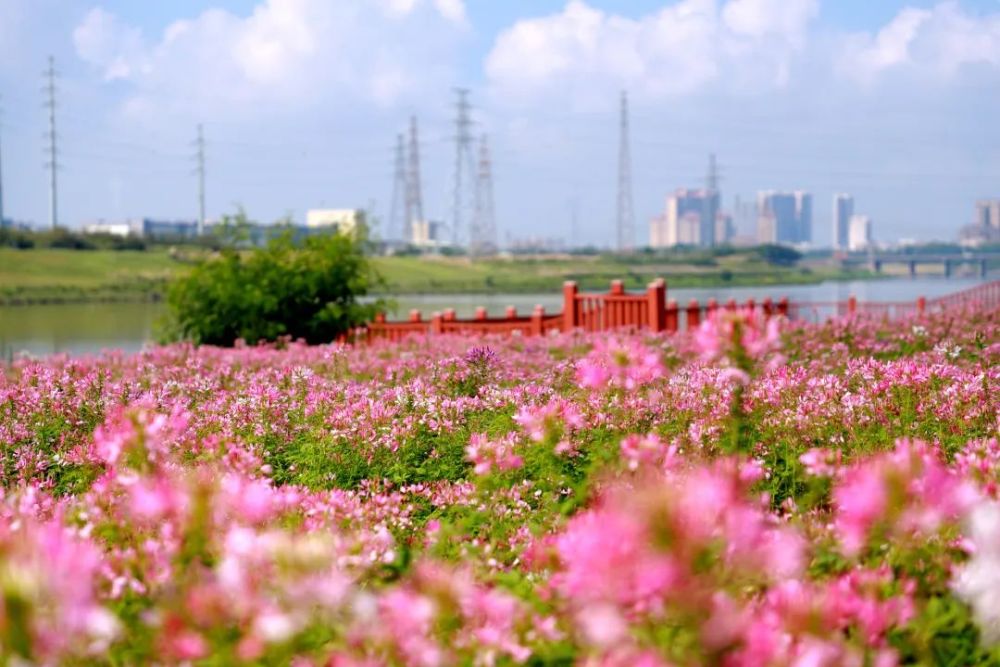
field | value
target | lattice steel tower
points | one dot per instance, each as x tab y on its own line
484	231
414	200
51	148
398	221
465	170
626	215
199	157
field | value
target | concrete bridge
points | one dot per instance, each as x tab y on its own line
981	261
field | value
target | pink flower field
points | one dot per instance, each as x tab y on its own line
752	493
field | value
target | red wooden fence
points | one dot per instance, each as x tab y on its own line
651	310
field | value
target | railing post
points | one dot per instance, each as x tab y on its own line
656	303
852	305
449	315
380	318
617	287
768	306
571	307
731	305
751	304
436	327
480	313
511	313
537	315
921	305
783	306
693	315
414	315
671	316
711	306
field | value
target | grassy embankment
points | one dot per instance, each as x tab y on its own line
414	275
73	276
69	276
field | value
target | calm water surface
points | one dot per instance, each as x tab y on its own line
81	329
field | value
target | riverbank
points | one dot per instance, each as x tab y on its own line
37	277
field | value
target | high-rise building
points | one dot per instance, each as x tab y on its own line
988	213
859	234
682	223
658	231
985	227
724	230
784	217
804	216
766	228
843	209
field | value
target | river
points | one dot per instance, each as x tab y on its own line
80	329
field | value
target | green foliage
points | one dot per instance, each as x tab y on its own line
307	290
779	255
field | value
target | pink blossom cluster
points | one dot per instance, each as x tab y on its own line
561	499
619	362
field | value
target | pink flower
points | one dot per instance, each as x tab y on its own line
486	454
615	362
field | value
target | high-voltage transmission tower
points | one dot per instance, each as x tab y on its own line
465	171
51	148
626	216
1	163
199	157
483	236
710	203
397	214
414	200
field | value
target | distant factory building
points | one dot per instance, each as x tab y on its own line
843	209
149	228
122	229
784	217
343	220
427	234
859	236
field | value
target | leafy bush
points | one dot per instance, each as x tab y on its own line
306	290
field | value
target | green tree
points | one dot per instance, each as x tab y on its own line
779	255
308	289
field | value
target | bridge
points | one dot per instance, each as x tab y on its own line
950	261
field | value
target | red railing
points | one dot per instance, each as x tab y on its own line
986	296
651	310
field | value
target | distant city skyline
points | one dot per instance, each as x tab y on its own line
302	103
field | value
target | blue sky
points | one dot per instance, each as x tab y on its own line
301	100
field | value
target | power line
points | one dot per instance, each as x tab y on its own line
53	152
483	239
464	164
200	158
626	215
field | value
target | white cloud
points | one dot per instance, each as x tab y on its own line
683	47
309	51
939	42
771	19
102	38
453	10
